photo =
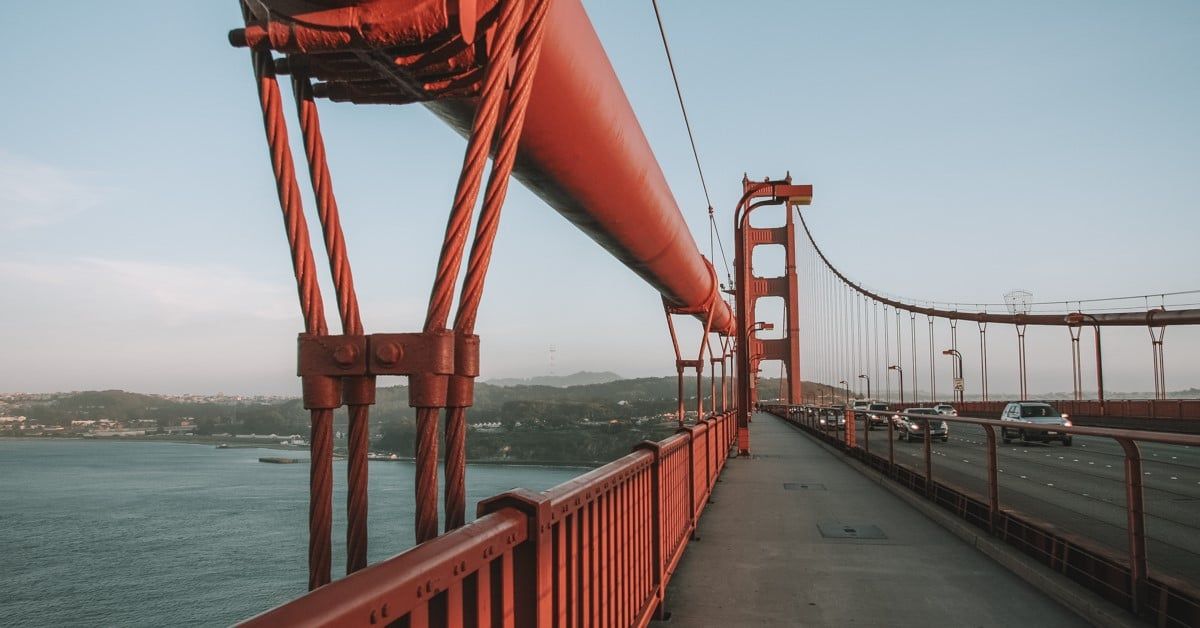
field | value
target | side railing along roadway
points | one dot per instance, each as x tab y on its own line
596	550
1166	594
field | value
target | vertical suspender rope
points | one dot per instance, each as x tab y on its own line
320	514
481	255
359	392
450	260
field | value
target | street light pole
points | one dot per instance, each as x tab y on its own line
957	372
846	387
900	372
868	378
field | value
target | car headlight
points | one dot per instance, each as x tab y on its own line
1066	423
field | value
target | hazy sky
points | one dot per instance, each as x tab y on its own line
958	150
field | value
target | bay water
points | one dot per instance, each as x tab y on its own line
136	533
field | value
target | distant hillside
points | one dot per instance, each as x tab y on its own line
582	378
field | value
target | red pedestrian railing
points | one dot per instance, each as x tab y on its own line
596	550
1163	598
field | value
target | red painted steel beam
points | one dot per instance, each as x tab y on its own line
582	149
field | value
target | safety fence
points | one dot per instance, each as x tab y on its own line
596	550
1125	577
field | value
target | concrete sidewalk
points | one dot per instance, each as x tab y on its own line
797	537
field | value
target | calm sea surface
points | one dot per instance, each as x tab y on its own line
139	534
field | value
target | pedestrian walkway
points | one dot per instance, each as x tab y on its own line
795	536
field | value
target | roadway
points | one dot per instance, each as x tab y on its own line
1079	489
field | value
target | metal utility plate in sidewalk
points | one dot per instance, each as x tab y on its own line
803	486
852	531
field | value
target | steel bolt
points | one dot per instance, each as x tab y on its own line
389	353
344	355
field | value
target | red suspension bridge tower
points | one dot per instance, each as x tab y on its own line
750	288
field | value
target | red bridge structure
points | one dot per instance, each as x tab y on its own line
529	86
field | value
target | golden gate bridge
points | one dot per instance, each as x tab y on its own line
529	86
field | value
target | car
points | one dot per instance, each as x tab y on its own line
946	409
878	414
913	428
832	418
1034	413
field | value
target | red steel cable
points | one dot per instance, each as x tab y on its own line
347	302
288	191
320	518
481	249
449	261
320	503
327	208
478	146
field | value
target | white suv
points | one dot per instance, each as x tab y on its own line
1040	414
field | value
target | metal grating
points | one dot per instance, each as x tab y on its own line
850	531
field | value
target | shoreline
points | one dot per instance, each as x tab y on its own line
339	454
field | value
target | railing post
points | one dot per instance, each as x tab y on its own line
710	456
993	479
849	432
928	461
1135	509
533	568
867	436
691	481
891	447
658	560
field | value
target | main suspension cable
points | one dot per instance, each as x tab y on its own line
687	123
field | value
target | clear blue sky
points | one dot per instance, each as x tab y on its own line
1049	146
